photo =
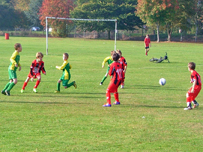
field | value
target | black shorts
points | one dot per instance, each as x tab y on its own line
147	47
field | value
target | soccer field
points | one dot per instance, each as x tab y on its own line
150	117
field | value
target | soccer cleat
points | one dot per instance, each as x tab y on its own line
7	93
122	86
107	105
188	108
3	92
101	83
35	90
196	105
56	91
116	103
22	91
75	85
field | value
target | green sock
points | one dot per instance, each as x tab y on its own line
104	78
7	85
10	86
58	86
70	84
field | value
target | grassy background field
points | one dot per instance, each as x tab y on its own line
150	117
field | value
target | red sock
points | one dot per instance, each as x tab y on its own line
37	83
108	97
116	96
24	85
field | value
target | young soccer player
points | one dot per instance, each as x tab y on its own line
116	71
35	72
124	65
66	74
14	64
108	60
195	89
147	44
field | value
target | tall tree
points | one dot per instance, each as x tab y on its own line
159	12
124	12
56	8
33	12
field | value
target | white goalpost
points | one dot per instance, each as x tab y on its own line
77	19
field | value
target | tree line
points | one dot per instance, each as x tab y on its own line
160	15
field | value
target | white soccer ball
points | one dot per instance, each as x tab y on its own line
162	81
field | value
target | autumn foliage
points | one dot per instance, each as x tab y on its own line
56	8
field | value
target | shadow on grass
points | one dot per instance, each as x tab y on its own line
151	106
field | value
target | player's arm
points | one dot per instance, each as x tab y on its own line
63	66
12	59
31	68
70	67
111	70
43	69
105	60
193	85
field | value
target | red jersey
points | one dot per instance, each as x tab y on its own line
123	62
116	71
37	67
196	76
147	41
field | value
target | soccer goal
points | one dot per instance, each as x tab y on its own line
77	19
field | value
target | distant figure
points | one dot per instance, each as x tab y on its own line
147	43
195	89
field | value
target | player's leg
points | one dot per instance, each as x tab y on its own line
111	88
6	86
196	92
25	84
105	76
146	51
38	76
117	101
122	83
13	81
189	99
58	86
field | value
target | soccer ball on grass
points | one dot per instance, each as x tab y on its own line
162	81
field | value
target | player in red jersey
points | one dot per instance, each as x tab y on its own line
195	89
147	43
35	72
122	60
116	71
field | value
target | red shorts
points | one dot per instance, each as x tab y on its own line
192	96
113	87
34	76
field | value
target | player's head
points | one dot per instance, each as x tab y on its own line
65	56
115	56
119	52
147	35
112	52
18	47
191	66
39	56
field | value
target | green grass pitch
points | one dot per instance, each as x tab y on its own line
150	117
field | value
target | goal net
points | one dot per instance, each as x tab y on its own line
77	19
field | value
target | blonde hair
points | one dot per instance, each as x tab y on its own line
39	54
119	52
112	52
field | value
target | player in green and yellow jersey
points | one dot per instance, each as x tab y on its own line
66	74
14	64
108	60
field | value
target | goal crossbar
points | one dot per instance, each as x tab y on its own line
79	19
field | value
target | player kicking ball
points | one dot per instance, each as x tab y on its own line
35	72
66	74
